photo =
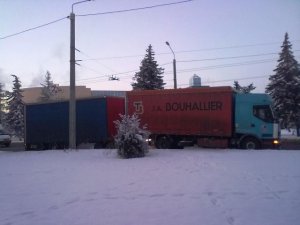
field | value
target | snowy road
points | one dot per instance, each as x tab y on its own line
190	187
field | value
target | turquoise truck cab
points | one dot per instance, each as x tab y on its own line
255	124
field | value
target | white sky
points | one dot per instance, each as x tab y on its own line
203	29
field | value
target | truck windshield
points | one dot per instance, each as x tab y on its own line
264	113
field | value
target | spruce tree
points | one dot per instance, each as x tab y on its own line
15	116
284	87
49	89
130	138
150	75
2	95
243	89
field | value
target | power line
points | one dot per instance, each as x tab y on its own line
94	14
227	80
90	69
135	9
230	57
252	62
230	65
96	61
216	66
186	70
33	28
188	51
164	64
227	65
104	77
234	46
245	78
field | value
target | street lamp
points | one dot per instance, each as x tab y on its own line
174	66
72	103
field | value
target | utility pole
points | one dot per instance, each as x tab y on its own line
174	73
174	66
72	102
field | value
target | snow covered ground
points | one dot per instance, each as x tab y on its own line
168	187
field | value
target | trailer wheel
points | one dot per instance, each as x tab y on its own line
110	145
99	145
27	147
7	144
175	143
250	143
163	142
47	146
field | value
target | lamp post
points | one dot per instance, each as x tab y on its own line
174	66
72	102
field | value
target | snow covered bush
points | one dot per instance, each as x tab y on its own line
131	139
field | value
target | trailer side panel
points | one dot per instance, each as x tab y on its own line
191	111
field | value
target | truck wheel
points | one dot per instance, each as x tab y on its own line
163	142
7	144
175	144
250	143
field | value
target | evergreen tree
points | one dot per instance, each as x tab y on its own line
15	116
2	95
49	89
243	89
284	87
130	138
150	75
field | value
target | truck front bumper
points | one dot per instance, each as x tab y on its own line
271	143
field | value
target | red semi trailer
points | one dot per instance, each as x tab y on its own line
206	116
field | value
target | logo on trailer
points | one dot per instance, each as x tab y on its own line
138	107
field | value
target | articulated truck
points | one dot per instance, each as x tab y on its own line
47	124
215	117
